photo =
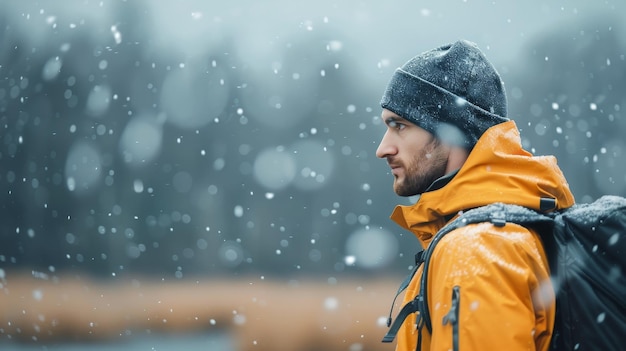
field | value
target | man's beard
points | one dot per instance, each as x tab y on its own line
423	170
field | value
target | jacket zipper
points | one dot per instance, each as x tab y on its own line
452	317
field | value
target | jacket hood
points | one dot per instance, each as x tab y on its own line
498	169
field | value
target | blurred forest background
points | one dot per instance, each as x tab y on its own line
196	138
205	139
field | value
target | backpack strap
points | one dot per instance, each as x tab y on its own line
407	309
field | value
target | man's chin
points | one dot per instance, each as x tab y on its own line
401	190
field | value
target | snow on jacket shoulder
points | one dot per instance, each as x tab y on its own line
497	278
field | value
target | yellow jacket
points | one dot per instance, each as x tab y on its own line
501	274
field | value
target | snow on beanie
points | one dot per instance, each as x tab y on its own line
454	85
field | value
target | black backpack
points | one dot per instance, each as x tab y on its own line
586	249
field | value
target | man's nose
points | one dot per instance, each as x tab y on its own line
385	148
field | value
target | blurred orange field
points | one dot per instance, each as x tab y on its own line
259	314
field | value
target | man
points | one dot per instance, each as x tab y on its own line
448	141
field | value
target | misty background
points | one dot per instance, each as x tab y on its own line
204	139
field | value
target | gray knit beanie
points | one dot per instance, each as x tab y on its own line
454	85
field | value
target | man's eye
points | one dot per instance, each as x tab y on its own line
396	125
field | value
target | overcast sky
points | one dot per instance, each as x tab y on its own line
388	32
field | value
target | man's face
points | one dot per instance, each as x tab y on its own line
415	156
